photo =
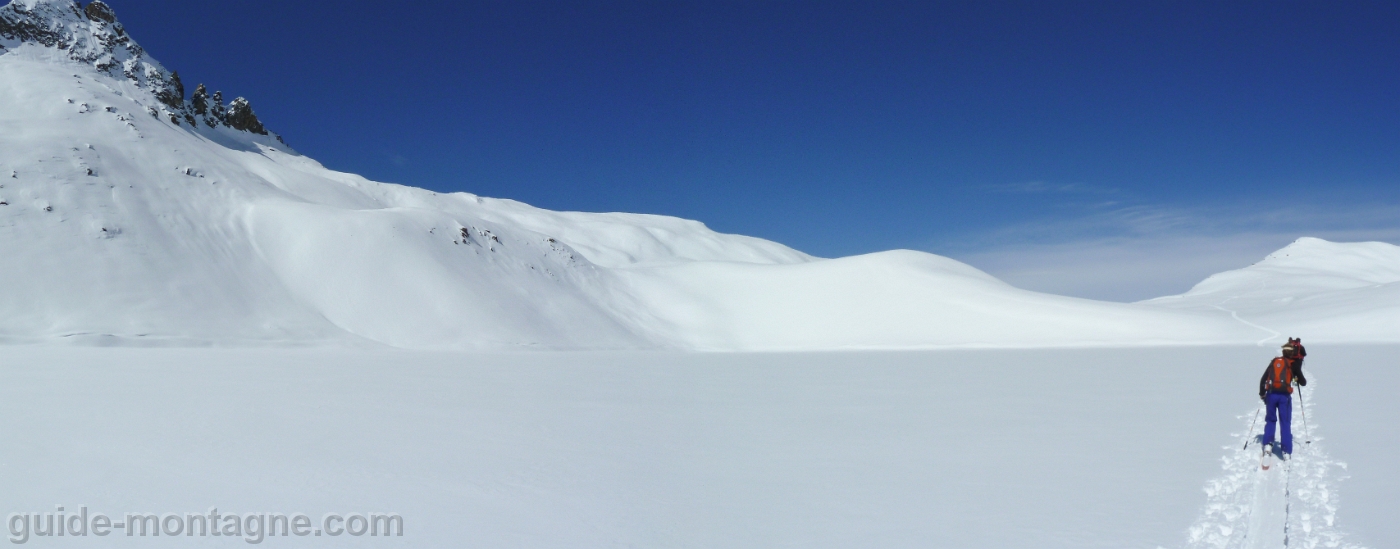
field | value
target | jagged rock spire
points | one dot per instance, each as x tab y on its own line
217	108
241	117
199	100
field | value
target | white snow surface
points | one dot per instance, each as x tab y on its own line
996	448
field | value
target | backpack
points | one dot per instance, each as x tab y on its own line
1279	377
1297	344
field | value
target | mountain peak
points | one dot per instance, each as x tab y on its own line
93	36
1305	267
1365	262
33	4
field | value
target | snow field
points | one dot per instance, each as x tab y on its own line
973	448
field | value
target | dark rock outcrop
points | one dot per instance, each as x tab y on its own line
217	108
240	117
199	100
99	11
172	93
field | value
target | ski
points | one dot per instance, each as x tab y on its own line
1266	458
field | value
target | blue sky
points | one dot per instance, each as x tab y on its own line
1116	150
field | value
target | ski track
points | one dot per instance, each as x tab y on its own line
1236	316
1293	504
1275	333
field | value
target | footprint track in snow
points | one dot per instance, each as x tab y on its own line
1291	506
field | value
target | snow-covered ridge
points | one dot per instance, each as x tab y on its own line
93	36
89	35
1333	291
1311	265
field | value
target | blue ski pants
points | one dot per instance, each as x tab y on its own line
1279	408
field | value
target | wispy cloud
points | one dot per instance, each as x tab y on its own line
1123	268
1043	187
1132	253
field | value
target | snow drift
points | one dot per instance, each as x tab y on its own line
132	215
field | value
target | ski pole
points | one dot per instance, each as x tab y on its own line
1251	429
1304	404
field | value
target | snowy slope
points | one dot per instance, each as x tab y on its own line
136	216
1005	449
898	299
1323	290
123	224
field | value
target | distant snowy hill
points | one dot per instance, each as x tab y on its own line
131	214
1324	290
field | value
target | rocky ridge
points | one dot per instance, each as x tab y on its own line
92	35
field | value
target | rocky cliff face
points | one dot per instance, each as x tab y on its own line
92	35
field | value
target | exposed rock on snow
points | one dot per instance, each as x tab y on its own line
240	117
173	94
98	11
199	101
93	36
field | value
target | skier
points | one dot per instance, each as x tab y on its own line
1299	353
1276	390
